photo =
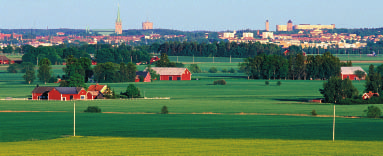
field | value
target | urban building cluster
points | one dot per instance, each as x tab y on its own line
304	35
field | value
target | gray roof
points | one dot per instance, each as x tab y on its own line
169	70
350	70
142	73
68	90
42	89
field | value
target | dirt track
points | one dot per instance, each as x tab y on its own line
207	113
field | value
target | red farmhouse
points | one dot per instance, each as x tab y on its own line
173	73
144	74
59	93
349	72
5	60
96	91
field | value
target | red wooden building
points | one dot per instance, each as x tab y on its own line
349	72
172	73
154	59
144	74
59	93
5	60
96	91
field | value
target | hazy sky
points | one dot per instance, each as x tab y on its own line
215	15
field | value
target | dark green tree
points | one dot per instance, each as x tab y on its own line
194	68
12	68
29	75
131	72
132	91
44	72
76	80
373	112
360	74
337	89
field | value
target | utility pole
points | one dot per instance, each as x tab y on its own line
333	127
74	118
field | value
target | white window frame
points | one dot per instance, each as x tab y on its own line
82	97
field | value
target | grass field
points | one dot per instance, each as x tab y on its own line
205	120
174	146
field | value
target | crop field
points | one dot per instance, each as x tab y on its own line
244	117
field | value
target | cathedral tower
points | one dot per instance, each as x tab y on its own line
118	29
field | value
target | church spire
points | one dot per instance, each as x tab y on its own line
118	14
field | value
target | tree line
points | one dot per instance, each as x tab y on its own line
294	66
216	49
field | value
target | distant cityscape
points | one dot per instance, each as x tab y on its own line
304	35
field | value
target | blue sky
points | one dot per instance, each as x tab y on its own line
216	15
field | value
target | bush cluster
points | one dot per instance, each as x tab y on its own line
267	83
213	70
359	100
219	82
93	109
373	112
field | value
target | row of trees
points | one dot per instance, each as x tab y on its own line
293	66
103	53
217	49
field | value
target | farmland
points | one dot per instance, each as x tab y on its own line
243	117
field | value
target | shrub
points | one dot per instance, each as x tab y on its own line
279	83
164	110
194	68
93	109
213	70
232	70
219	82
314	112
224	70
373	112
267	83
12	68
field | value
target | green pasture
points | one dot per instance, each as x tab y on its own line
49	125
239	95
180	146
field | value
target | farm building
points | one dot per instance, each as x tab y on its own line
96	91
144	74
172	73
368	95
349	72
5	60
154	59
59	93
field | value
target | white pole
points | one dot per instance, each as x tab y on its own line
333	127
74	118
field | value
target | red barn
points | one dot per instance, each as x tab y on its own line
349	72
172	73
41	93
5	60
144	74
59	93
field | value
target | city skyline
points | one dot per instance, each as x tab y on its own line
213	15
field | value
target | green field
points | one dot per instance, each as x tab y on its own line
205	120
174	146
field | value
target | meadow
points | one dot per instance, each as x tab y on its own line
204	119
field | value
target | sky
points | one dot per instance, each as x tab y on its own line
188	15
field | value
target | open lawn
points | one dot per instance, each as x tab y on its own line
175	146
